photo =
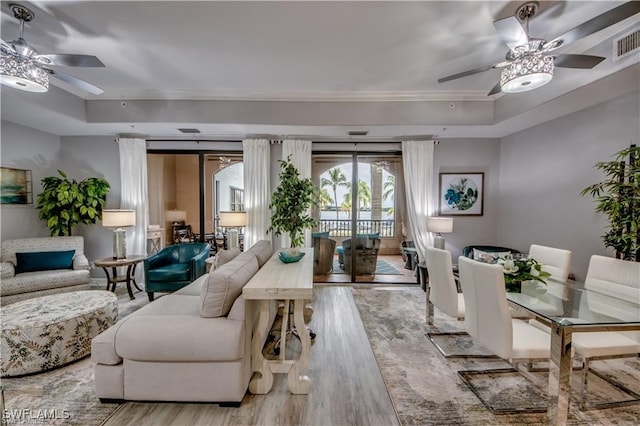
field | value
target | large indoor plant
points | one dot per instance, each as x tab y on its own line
290	204
64	203
618	197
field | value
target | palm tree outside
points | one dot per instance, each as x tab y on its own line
336	179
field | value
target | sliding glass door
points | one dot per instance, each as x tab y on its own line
358	210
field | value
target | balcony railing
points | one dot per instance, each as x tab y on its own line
342	227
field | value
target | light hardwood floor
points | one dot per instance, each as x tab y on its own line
347	387
405	276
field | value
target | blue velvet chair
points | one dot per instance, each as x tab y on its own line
174	267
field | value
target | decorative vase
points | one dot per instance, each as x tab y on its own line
514	286
291	256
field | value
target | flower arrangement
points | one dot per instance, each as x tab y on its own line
521	268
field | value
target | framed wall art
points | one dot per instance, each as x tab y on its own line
461	194
15	186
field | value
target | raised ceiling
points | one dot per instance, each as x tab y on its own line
315	69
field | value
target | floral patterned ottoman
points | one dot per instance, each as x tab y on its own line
49	331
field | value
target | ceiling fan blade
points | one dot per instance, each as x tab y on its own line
577	61
466	73
511	31
69	60
496	89
74	81
596	24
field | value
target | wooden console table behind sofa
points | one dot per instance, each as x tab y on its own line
289	282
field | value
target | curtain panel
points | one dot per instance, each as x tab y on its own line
257	189
300	152
133	190
417	158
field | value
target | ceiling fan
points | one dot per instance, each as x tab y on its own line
529	63
22	67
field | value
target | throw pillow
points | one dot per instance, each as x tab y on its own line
225	256
262	250
320	234
44	261
223	286
374	235
486	256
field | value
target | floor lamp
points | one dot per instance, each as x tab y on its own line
439	225
232	221
119	219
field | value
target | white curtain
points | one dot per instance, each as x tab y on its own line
257	189
300	152
133	190
417	158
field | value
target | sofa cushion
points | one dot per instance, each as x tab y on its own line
170	273
320	234
225	256
262	250
224	285
176	319
44	261
194	288
488	256
43	280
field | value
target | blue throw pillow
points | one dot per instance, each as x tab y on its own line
320	234
44	261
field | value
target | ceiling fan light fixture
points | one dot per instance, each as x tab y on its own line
23	74
527	73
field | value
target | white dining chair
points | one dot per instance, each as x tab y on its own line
553	260
621	279
488	320
443	294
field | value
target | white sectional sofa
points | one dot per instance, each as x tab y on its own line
33	267
191	345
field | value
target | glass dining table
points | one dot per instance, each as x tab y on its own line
567	308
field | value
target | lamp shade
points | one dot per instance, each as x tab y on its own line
23	74
118	218
440	224
527	73
233	219
175	215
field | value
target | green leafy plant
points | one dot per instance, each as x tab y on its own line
618	197
63	203
290	204
518	268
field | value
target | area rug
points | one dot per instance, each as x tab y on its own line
382	268
66	395
425	387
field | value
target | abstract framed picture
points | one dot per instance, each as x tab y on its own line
15	186
461	194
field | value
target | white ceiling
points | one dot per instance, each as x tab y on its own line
317	69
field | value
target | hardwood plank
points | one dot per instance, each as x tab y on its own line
347	386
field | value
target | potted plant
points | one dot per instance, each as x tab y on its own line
63	203
290	205
618	197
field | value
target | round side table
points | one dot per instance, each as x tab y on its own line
113	278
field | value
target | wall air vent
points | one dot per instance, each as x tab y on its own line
625	45
189	130
358	133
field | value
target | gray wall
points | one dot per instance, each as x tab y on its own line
471	155
543	170
30	149
44	154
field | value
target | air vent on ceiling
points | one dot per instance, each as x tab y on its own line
189	130
358	133
625	45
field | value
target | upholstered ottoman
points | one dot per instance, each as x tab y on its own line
49	331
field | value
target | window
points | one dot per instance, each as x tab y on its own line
236	201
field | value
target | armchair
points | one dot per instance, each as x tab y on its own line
366	255
174	267
323	249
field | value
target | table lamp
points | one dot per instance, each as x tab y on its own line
176	217
119	219
439	225
232	220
